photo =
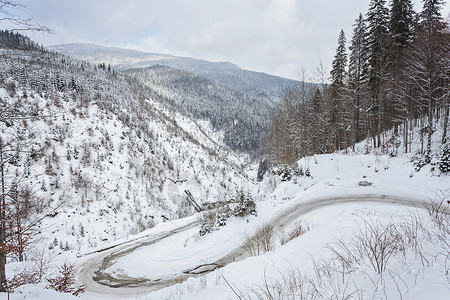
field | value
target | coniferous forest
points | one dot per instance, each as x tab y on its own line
393	76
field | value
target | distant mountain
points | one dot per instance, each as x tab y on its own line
254	84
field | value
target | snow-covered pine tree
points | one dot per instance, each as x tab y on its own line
358	69
402	22
444	159
378	39
402	25
339	63
431	17
338	94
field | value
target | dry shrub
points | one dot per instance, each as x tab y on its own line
30	274
414	235
329	281
23	277
260	242
292	285
370	251
375	243
298	229
440	216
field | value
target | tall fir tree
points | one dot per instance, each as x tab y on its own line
379	61
339	63
358	70
338	94
402	22
430	66
430	18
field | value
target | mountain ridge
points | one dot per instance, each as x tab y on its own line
255	84
84	47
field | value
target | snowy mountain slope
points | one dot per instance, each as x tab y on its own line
108	151
243	121
253	84
338	176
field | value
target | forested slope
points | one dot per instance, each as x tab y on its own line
243	120
99	148
394	76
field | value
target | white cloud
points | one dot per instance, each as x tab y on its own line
274	36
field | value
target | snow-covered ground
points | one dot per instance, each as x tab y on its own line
332	176
337	176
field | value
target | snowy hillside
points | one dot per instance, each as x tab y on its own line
312	220
104	150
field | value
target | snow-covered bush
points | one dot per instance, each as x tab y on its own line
285	173
65	281
207	219
213	219
307	172
298	170
419	161
444	159
221	219
394	142
245	205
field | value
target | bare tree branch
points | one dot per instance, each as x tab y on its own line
19	24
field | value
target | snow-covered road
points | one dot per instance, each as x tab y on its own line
95	269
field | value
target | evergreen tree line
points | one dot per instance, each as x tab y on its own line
14	40
394	75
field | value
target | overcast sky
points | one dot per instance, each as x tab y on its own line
279	37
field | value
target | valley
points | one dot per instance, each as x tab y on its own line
129	174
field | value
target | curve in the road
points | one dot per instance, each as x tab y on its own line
92	274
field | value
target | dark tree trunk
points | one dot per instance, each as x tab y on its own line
2	224
446	113
429	129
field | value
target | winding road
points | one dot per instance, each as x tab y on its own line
99	283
